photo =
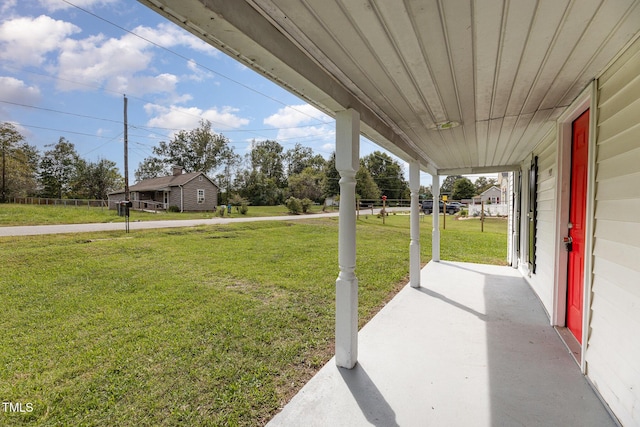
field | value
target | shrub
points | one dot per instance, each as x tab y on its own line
173	208
244	208
294	205
464	213
306	204
220	211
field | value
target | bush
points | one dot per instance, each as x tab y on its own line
220	211
173	208
244	208
294	205
464	213
306	204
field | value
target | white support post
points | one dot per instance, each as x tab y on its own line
414	246
435	235
347	164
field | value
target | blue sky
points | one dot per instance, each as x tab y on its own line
65	67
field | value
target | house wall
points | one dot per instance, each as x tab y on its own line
613	351
114	199
190	195
542	280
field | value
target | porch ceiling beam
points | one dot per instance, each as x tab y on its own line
477	170
255	40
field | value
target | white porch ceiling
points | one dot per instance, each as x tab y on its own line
503	69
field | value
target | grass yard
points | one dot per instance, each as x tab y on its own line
216	325
16	214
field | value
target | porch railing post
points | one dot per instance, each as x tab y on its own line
414	246
435	235
347	164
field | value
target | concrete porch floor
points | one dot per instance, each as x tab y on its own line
471	347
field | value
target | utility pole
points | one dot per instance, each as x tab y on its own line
126	153
4	185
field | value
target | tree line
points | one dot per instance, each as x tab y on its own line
58	173
266	175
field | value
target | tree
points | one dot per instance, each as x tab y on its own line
331	181
19	164
58	170
463	189
306	185
230	161
447	185
197	150
425	192
387	174
366	187
151	167
97	180
258	188
297	159
266	157
482	184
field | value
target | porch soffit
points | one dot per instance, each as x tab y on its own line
504	70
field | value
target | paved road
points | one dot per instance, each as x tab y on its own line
31	230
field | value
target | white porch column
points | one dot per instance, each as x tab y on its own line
347	164
414	246
435	235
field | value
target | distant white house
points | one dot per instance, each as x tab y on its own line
495	199
491	196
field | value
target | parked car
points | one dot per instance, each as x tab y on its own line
456	204
427	207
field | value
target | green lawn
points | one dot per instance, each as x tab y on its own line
216	325
16	214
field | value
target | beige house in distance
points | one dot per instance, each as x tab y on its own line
190	192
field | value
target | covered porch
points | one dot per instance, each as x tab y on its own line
471	346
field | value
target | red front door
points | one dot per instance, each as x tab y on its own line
577	223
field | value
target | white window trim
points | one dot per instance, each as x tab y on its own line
200	199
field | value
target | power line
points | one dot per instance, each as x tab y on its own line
179	55
149	128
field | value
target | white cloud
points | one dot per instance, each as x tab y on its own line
329	147
97	60
188	118
27	41
140	85
123	64
291	122
198	73
7	5
15	90
296	115
54	5
306	133
169	35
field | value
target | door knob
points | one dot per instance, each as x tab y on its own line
568	243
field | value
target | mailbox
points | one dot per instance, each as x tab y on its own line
123	207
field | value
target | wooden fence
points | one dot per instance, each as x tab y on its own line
60	202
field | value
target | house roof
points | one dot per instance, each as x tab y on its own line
493	188
164	183
503	70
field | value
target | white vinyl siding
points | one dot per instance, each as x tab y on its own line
542	280
613	349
